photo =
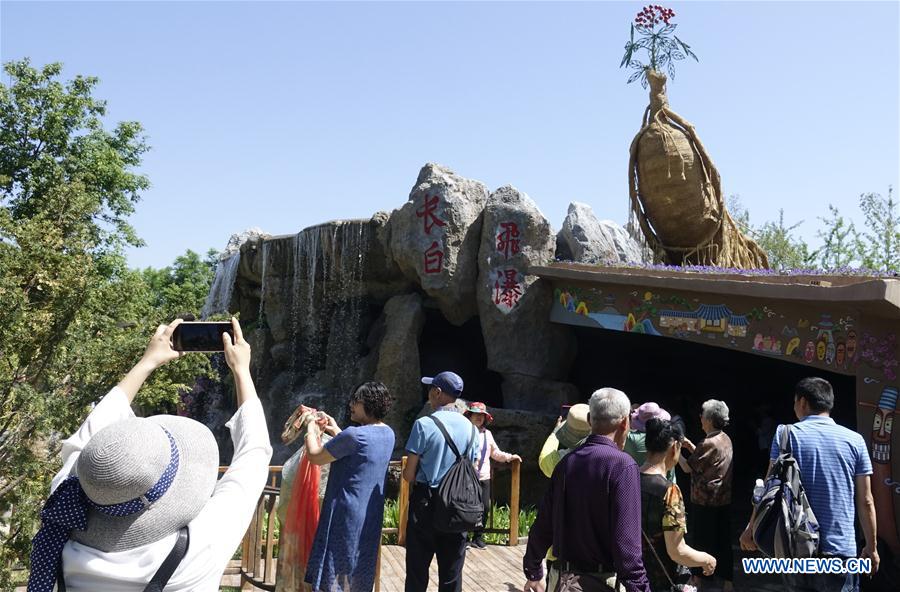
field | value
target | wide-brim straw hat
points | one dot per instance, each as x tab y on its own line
575	428
123	461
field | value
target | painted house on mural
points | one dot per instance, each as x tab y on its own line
844	327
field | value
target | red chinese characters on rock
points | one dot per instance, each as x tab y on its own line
508	239
434	259
433	256
427	213
507	289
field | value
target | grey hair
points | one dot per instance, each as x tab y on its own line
716	412
609	406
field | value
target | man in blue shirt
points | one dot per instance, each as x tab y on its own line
835	471
428	460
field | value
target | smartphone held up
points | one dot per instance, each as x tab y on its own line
200	336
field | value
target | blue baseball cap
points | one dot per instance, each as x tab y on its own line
449	382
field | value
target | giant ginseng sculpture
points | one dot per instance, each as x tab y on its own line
674	188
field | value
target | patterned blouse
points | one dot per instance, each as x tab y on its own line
662	510
711	465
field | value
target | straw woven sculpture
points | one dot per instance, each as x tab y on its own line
676	193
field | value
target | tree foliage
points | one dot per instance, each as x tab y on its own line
74	317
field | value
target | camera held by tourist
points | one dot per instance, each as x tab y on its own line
487	451
662	513
134	491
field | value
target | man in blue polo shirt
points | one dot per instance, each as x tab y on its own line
835	471
428	460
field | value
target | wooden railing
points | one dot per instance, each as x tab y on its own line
258	564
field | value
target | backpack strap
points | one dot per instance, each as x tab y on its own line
165	571
484	449
447	437
785	444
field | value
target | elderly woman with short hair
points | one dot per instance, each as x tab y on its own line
710	465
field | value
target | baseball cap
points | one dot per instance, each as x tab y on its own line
449	382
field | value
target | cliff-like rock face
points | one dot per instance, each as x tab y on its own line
440	281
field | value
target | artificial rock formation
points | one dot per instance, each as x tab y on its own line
434	238
585	239
512	306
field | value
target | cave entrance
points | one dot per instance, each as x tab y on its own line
680	375
444	346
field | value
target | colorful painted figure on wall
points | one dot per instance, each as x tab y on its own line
882	426
810	353
841	354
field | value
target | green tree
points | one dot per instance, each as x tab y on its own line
74	317
785	250
881	244
841	246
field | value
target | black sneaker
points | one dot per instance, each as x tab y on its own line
478	544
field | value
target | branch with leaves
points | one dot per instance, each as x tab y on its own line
656	35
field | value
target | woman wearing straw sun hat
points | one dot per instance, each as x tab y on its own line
137	498
568	434
487	449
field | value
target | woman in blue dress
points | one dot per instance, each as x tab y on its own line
345	548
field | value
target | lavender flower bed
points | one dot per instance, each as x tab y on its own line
843	271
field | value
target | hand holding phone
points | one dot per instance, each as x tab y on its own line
201	336
564	411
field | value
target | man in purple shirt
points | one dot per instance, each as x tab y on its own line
591	514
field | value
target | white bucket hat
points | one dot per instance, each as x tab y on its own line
125	461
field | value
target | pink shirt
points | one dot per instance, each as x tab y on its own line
491	452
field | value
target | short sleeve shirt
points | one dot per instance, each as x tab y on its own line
435	456
830	457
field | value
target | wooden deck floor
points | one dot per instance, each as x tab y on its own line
495	569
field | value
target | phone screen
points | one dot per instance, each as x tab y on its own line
564	411
200	337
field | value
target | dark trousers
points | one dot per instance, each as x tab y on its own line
486	498
423	542
712	533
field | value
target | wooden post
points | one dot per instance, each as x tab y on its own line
269	569
514	504
378	568
403	505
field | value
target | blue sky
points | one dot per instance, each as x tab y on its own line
285	114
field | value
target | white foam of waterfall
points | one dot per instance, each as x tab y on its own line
219	297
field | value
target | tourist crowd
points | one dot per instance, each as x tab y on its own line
137	504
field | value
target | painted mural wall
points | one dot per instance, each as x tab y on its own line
835	338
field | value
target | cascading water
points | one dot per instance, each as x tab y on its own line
264	256
327	305
219	297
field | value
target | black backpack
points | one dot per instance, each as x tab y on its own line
457	504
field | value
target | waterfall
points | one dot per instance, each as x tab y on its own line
327	302
219	297
264	256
